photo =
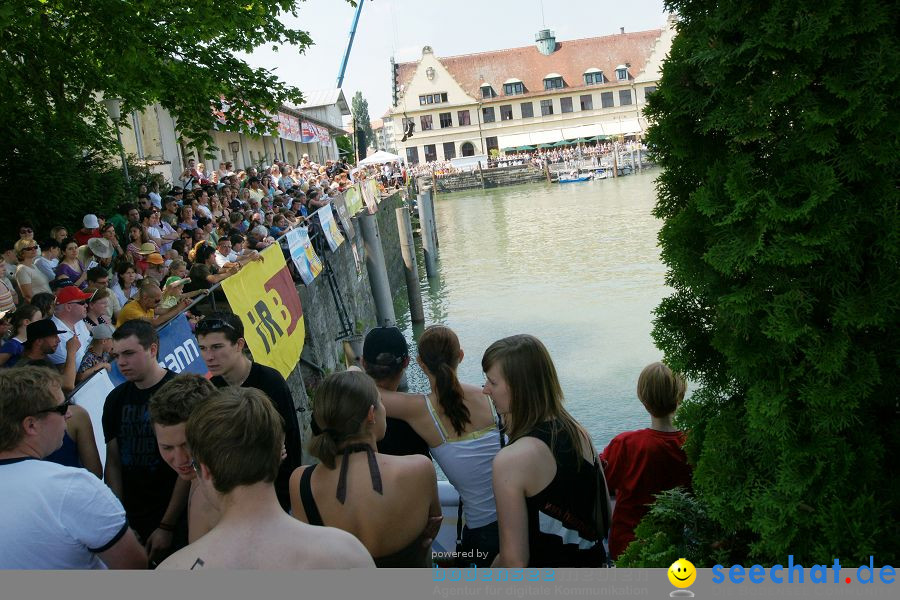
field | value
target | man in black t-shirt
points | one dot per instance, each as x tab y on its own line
154	502
385	358
221	340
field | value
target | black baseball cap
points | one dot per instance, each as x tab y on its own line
41	329
385	346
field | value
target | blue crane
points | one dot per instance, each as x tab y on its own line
340	78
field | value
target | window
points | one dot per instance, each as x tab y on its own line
606	100
527	110
624	97
491	143
487	114
553	83
506	112
426	122
546	107
449	150
430	153
412	155
587	102
565	105
513	88
487	91
593	78
446	120
433	99
463	118
622	72
649	90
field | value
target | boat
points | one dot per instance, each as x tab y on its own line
571	178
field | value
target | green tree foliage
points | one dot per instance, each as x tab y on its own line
776	125
61	57
345	148
364	134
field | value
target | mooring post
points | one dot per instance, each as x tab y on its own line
378	276
426	226
410	268
431	194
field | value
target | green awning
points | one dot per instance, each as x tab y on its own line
510	149
543	146
521	148
561	143
580	141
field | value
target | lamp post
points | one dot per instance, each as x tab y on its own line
113	109
234	146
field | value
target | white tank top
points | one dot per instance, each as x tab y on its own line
468	463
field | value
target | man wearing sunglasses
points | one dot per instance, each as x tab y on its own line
71	308
53	517
221	340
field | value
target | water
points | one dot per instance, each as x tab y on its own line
576	265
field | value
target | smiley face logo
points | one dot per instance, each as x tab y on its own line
682	573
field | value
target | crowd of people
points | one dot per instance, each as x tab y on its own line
207	473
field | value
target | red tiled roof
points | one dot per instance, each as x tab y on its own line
571	59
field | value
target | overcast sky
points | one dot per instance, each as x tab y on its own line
400	28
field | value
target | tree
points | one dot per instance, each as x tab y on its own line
364	134
776	126
61	57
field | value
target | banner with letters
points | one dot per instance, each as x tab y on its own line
330	228
263	295
304	256
178	351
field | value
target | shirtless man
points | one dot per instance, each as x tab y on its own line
170	408
239	465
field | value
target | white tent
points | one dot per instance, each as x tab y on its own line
379	158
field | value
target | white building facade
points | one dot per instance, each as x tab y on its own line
490	101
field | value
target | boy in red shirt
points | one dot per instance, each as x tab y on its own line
640	464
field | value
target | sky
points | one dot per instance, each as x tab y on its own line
400	28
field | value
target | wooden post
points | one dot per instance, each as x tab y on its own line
410	268
547	171
481	174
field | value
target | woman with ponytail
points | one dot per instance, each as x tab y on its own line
459	424
390	503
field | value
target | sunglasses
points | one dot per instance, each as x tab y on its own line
196	466
26	231
210	325
60	409
29	248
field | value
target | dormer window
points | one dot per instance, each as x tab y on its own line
622	72
593	76
553	81
487	91
512	87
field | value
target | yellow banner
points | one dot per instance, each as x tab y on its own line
263	295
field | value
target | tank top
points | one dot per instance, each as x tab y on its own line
467	462
412	555
67	454
561	530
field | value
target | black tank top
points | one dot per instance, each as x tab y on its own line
561	530
412	555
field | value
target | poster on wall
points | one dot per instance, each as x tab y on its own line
344	216
370	195
330	228
304	256
353	200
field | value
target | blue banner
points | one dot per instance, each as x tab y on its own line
178	350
